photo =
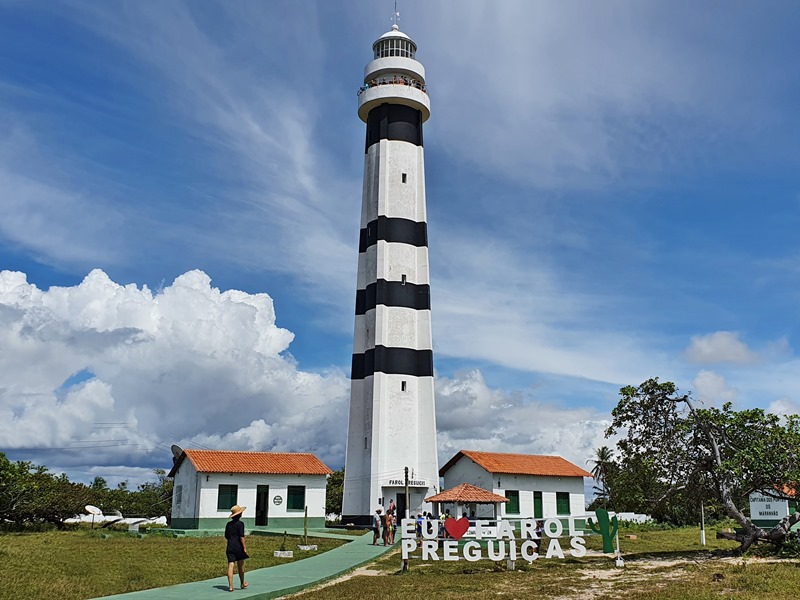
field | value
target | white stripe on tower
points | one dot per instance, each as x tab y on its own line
392	410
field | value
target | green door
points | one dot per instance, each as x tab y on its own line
262	505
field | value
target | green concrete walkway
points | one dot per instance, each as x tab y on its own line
280	580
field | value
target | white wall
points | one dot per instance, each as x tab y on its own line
278	484
391	428
466	471
186	477
205	488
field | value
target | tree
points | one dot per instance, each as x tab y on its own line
673	448
31	494
53	499
153	498
334	493
14	486
604	465
99	484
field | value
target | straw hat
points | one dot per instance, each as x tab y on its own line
237	510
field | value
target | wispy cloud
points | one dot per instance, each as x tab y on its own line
579	96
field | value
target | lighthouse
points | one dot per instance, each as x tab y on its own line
391	439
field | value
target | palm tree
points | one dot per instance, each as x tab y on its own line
603	464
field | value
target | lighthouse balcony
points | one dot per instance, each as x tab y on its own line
394	90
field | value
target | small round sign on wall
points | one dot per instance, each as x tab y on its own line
277	500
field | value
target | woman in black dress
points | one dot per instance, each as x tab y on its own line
237	551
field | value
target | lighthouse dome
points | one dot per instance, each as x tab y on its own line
394	43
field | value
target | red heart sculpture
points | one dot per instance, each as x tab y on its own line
457	527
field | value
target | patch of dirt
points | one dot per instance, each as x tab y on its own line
603	580
365	571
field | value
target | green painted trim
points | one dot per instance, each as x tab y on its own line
183	523
249	523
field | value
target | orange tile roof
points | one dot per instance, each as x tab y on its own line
231	461
467	493
519	464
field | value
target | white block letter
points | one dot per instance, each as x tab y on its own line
554	549
527	530
429	529
528	551
408	547
496	554
553	528
572	531
408	528
480	530
505	530
472	551
450	548
429	549
578	547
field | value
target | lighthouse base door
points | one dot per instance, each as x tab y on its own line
401	506
399	497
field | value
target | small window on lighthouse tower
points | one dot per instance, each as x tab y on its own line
405	177
402	386
403	279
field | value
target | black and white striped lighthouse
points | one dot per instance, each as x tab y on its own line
392	422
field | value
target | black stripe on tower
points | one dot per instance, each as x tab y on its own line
393	293
393	229
393	361
394	122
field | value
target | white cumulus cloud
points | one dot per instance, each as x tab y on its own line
712	388
100	378
473	416
720	347
119	368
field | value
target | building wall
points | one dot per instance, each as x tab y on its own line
199	507
187	483
466	471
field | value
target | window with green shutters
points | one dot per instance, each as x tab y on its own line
512	506
296	497
226	496
562	503
538	512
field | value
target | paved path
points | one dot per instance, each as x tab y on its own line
272	582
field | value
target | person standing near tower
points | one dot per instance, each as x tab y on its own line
392	420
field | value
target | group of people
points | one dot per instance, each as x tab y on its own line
384	525
401	80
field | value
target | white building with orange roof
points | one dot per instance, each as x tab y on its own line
536	486
276	488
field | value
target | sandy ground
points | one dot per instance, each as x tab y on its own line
602	579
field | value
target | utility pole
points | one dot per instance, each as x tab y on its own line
408	499
702	524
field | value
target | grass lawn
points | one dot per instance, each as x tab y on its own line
660	565
82	564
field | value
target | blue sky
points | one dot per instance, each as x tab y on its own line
613	193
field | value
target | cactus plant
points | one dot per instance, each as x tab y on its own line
605	527
283	543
